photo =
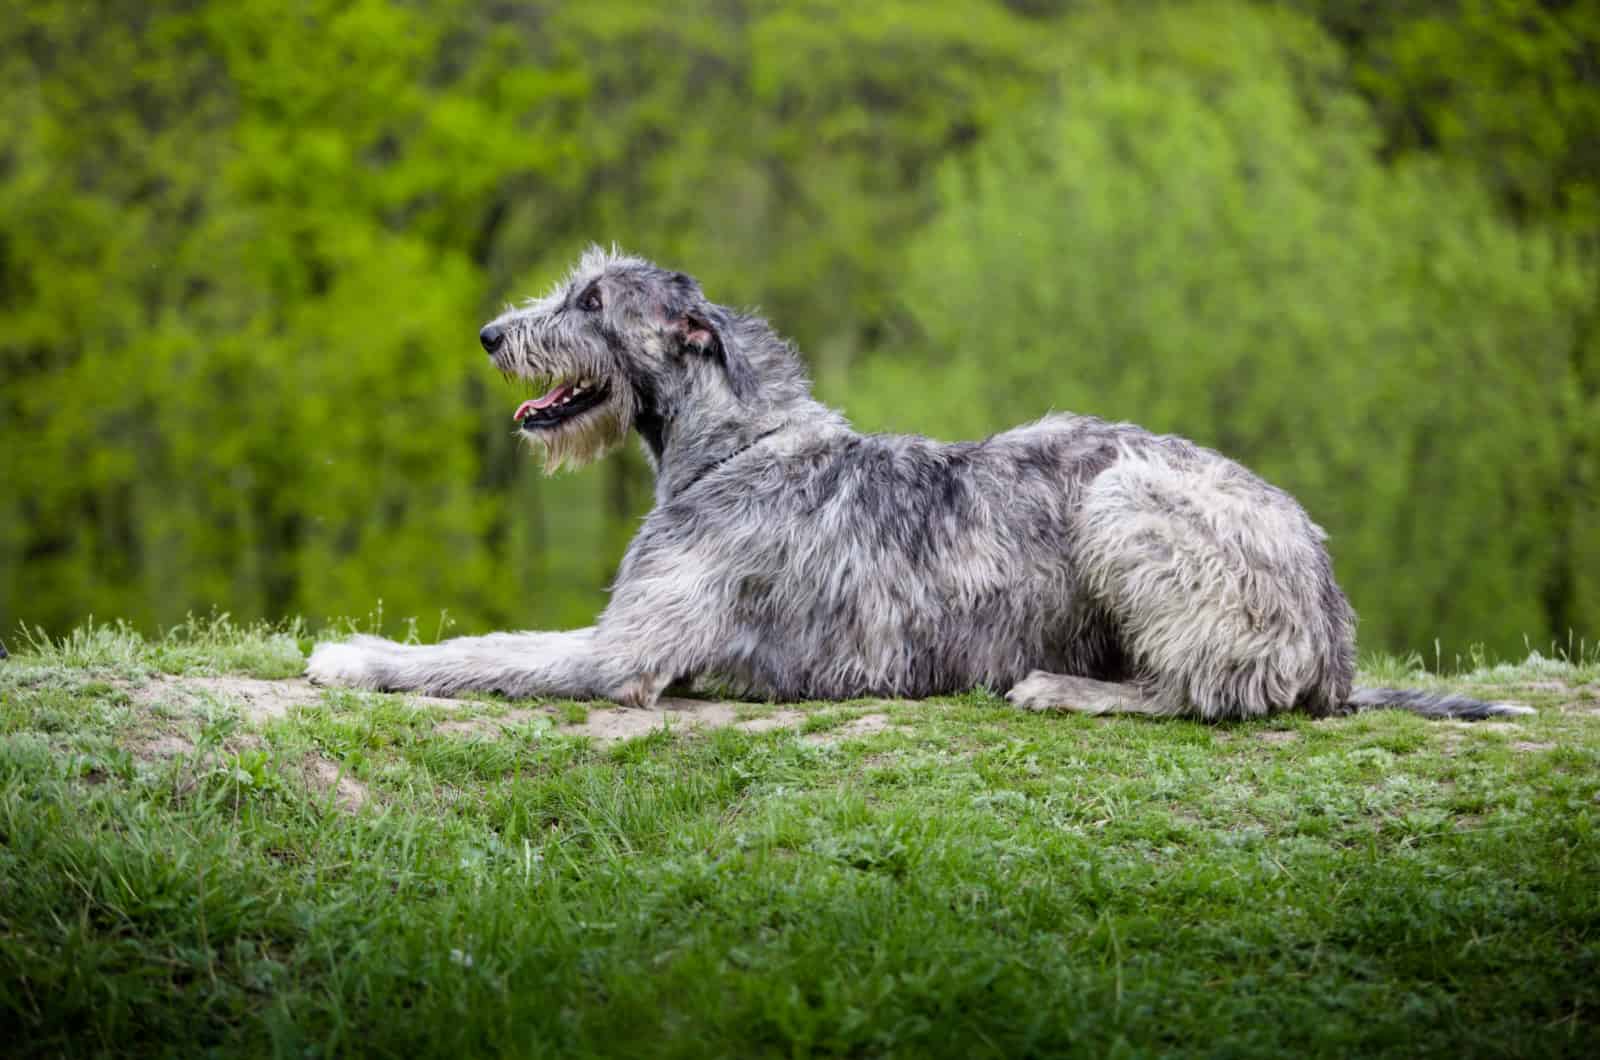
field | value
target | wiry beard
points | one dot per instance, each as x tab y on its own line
588	436
580	406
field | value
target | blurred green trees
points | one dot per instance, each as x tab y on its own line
245	247
1183	243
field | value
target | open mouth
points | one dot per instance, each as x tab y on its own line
562	403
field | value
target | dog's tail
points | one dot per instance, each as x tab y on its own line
1436	705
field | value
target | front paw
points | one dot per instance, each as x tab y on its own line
1037	693
348	665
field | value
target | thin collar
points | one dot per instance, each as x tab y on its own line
715	464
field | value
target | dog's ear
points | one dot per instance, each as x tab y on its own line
709	333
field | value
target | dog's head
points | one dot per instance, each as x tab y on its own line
619	342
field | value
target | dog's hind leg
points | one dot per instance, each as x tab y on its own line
1041	691
1220	589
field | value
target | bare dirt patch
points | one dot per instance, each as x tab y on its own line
324	775
782	719
319	774
488	726
853	729
1531	745
1484	726
1277	736
611	724
258	700
1582	700
1558	687
160	748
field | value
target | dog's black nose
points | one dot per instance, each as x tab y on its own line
491	336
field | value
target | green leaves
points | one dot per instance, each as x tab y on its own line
1179	241
244	250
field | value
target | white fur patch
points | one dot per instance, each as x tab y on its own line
343	665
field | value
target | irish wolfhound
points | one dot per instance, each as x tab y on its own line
1082	565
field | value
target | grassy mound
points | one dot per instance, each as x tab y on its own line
182	869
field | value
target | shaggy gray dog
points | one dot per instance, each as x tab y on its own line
1080	564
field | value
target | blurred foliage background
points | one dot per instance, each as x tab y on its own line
245	247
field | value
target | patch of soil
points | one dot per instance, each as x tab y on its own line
160	748
258	700
1559	687
488	726
324	775
782	719
1483	726
321	775
611	724
1531	745
865	725
163	746
1582	700
1277	736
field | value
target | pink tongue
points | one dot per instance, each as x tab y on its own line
545	402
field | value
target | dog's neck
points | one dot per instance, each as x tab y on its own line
716	416
684	448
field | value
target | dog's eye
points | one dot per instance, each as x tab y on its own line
589	301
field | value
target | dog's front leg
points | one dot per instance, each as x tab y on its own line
579	664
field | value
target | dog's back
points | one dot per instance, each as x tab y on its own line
844	564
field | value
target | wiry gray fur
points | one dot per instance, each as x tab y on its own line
1081	564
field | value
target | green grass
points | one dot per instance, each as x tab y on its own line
969	881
